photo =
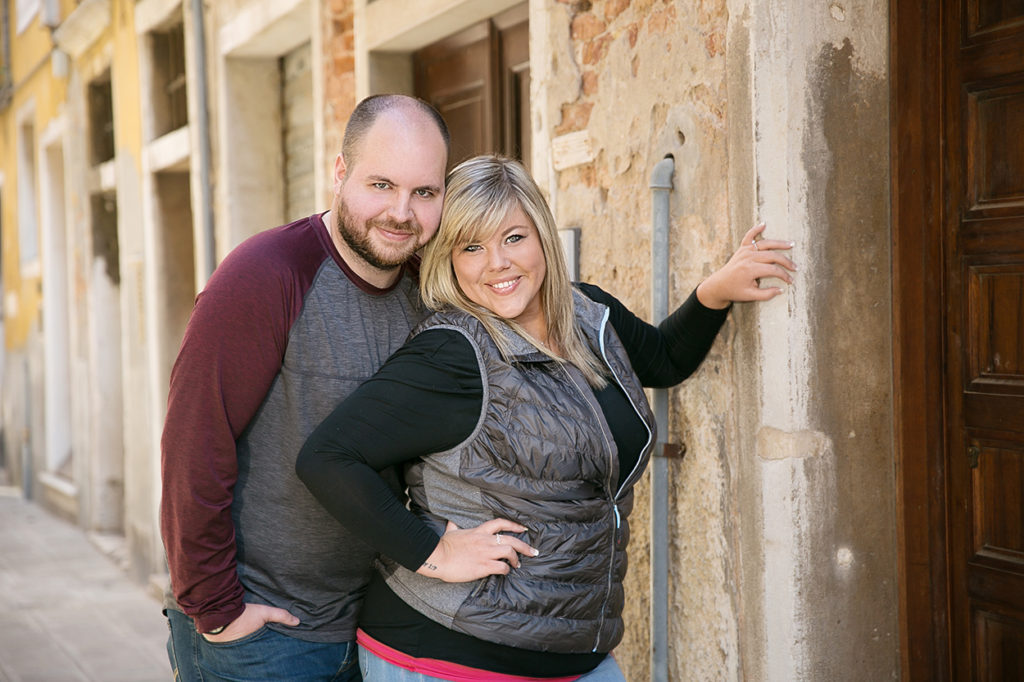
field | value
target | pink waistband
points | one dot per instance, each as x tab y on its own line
444	669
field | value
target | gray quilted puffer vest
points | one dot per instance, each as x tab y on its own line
541	455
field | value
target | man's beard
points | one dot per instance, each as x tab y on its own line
364	247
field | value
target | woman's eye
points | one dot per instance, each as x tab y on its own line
472	248
513	238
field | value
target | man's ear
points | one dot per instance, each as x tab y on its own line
339	172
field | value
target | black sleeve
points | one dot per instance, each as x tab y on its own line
426	398
663	356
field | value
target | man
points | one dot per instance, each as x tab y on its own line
290	323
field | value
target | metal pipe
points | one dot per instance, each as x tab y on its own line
6	78
203	124
661	190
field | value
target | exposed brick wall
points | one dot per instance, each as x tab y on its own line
339	77
646	78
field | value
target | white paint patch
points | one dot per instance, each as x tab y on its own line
837	12
844	557
572	149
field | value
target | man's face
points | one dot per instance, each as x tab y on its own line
388	202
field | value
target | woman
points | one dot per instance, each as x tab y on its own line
517	411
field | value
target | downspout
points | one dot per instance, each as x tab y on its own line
203	124
6	88
661	191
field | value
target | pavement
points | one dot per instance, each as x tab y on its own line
68	613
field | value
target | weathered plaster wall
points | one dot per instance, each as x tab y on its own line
851	365
782	558
817	526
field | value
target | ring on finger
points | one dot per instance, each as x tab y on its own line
753	242
497	538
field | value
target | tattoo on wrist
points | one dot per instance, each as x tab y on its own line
429	566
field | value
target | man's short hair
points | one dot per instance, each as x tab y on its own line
367	111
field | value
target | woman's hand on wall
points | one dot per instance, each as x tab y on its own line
740	278
474	553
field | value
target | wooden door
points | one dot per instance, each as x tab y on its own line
479	79
983	185
958	268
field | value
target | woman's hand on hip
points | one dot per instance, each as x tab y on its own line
474	553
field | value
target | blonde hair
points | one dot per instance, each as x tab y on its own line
480	194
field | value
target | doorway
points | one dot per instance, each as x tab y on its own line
958	266
479	79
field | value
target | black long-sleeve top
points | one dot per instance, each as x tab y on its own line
427	398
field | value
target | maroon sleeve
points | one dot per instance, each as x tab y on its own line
233	349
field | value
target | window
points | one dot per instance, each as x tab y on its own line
169	87
28	227
101	120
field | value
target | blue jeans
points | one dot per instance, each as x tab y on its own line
263	656
376	669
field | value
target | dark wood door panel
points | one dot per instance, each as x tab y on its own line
983	189
993	412
997	484
1000	654
996	235
995	325
479	79
987	22
993	123
456	75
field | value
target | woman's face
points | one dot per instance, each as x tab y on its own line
504	273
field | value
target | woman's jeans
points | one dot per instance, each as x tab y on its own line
263	656
376	669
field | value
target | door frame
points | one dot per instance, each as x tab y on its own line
918	212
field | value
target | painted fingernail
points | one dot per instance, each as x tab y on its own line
534	552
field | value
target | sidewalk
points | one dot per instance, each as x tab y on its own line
67	612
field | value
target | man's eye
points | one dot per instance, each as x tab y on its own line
424	193
380	185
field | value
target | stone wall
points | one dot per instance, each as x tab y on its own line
641	80
782	558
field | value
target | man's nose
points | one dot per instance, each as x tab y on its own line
401	208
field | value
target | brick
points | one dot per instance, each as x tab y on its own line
614	8
575	117
632	31
662	21
586	27
595	50
714	44
344	64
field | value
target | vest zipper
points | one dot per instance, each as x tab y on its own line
636	467
613	496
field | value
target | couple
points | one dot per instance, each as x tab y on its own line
515	415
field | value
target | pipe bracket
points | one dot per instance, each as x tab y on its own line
670	450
